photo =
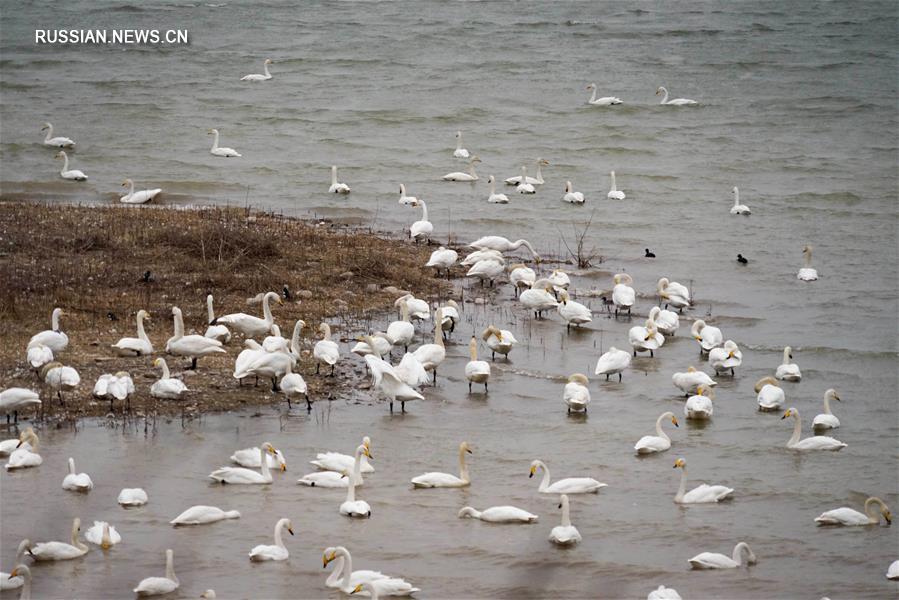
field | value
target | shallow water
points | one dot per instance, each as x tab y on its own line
798	109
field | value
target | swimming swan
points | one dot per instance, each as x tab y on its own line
673	101
604	101
851	517
140	196
827	420
76	482
334	479
60	550
737	208
344	578
279	551
217	150
614	192
203	515
240	475
25	455
699	406
132	497
538	180
154	586
495	198
260	77
571	485
499	514
337	188
335	461
816	442
571	196
459	176
650	444
788	371
701	494
358	509
58	142
524	186
460	152
770	396
65	173
565	534
713	560
445	480
13	581
250	457
807	273
103	534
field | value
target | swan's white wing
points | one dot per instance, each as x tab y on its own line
842	516
411	371
436	480
651	443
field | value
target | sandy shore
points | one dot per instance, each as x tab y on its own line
93	262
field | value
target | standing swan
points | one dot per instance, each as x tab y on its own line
476	371
139	197
249	325
850	516
612	362
445	480
623	295
193	346
788	371
65	173
827	420
139	346
217	150
576	394
25	455
421	229
501	244
459	152
337	188
604	101
60	550
708	337
262	552
713	560
460	176
737	208
807	273
432	355
154	586
570	485
701	494
674	101
58	142
260	77
650	444
565	534
614	192
816	442
726	358
325	350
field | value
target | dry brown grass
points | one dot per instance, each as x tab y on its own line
90	261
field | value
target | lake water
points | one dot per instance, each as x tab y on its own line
797	108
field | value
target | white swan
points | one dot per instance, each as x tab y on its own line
524	186
139	346
623	295
378	344
347	580
335	461
460	176
13	580
646	338
726	358
13	399
265	76
737	208
357	509
688	381
851	517
816	442
701	494
713	560
193	346
390	382
432	355
167	387
667	322
807	273
674	294
476	371
499	341
402	332
418	309
673	101
570	485
487	270
337	188
25	455
423	228
76	482
576	394
118	386
60	378
495	198
407	200
450	316
65	173
538	180
893	570
770	395
614	192
443	258
498	514
21	575
217	150
699	406
9	446
650	444
249	325
571	196
215	332
788	371
293	386
521	277
54	338
140	196
46	551
663	593
708	337
445	480
154	586
58	142
38	355
132	497
103	534
459	152
501	244
539	298
827	420
565	534
334	479
240	475
612	362
279	551
326	351
604	101
250	458
203	515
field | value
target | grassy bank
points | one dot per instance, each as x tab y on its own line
102	264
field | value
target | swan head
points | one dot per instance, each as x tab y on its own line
28	436
788	352
208	594
542	162
674	421
564	297
534	466
660	90
736	191
212	131
492	330
731	347
21	571
127	182
288	525
361	587
268	61
60	154
269	448
458	134
623	278
464	447
567	186
791	412
46	126
475	159
491	179
831	394
763	382
158	362
366	441
680	464
578	378
365	451
592	86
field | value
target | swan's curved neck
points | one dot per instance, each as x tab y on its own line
49	133
566	515
593	97
659	431
170	568
265	70
827	404
544	483
526	244
334	579
278	527
209	311
614	186
263	464
54	320
326	332
738	552
540	166
295	338
131	189
424	207
165	370
65	162
736	196
797	430
869	505
665	97
333	175
215	140
75	541
463	468
346	564
471	512
267	310
682	489
179	324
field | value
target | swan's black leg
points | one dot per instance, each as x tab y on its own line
403	405
469	387
317	367
619	377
